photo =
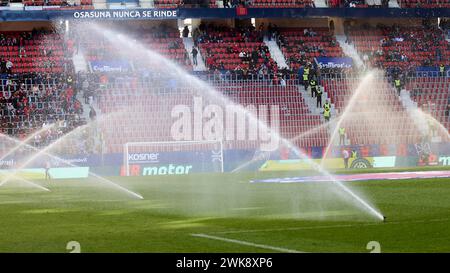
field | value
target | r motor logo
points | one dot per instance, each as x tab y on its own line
166	170
169	169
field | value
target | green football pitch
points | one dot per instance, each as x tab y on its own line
224	213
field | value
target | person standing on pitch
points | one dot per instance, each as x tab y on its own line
346	156
47	170
319	96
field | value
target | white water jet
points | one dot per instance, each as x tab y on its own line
44	151
429	120
25	141
127	45
353	100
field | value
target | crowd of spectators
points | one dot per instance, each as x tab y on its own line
236	3
29	102
253	60
445	26
28	51
401	49
301	47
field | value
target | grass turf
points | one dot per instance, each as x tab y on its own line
303	217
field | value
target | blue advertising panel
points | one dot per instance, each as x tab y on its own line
182	13
334	62
110	66
185	162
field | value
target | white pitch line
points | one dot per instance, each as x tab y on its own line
331	226
239	242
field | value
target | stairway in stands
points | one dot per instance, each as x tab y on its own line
393	4
412	109
276	53
188	44
350	51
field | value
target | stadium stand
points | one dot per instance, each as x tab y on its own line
295	117
150	110
37	51
432	96
401	48
347	4
162	39
302	45
282	4
59	3
37	86
30	101
377	116
424	3
240	66
167	3
239	49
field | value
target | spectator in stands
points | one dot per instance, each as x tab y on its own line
37	140
194	53
282	82
269	31
69	80
226	3
319	96
9	65
255	57
185	31
306	32
442	70
22	51
92	113
243	55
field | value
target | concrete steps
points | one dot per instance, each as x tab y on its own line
393	4
350	51
320	4
416	115
276	53
188	44
79	62
312	106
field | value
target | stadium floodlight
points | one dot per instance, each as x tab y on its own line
174	157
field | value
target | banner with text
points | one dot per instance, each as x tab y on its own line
127	14
110	66
329	62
